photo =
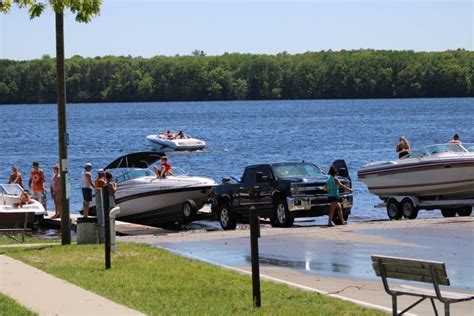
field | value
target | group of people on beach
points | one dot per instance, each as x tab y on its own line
403	147
104	179
37	185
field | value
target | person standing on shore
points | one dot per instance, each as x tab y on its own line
55	190
87	187
112	186
37	184
456	139
15	177
332	187
100	181
403	147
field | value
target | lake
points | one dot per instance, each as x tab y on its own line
237	134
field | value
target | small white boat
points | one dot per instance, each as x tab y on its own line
169	141
11	209
443	171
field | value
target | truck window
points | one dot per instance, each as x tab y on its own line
266	172
249	175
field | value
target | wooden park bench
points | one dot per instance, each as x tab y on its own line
12	223
416	270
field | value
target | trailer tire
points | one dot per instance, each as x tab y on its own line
189	210
448	212
393	209
465	211
408	209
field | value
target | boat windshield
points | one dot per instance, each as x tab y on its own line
469	147
132	173
436	149
297	170
12	189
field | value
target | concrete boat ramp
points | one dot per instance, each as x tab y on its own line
336	261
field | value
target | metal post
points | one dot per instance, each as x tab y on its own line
99	208
105	192
62	135
254	235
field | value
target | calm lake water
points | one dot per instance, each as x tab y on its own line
237	134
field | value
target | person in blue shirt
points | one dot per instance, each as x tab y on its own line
332	187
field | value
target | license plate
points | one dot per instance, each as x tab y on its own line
345	203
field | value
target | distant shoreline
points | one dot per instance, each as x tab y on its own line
229	101
355	74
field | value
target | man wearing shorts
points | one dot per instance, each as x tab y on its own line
87	187
36	183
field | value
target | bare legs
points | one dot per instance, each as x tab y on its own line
335	206
57	207
85	209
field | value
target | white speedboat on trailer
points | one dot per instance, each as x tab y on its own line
169	141
435	177
11	208
145	199
438	171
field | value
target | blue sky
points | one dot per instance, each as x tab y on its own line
156	27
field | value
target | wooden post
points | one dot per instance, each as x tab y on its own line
62	136
254	235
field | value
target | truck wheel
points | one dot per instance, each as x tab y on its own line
226	218
393	209
282	216
465	211
188	210
408	209
448	212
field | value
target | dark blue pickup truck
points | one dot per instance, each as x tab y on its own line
280	192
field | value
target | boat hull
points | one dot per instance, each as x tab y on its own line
444	179
160	206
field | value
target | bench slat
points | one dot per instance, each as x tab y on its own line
431	293
410	270
410	262
414	277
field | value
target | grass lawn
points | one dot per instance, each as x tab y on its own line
10	307
4	240
156	282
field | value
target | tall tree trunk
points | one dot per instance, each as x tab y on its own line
62	135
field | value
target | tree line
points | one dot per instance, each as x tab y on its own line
312	75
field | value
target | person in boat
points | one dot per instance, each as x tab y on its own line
180	135
456	139
15	177
165	170
168	135
87	187
55	190
332	187
100	181
25	199
37	184
403	147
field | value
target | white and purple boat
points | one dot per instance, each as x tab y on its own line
444	171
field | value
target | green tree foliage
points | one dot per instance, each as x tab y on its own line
313	75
